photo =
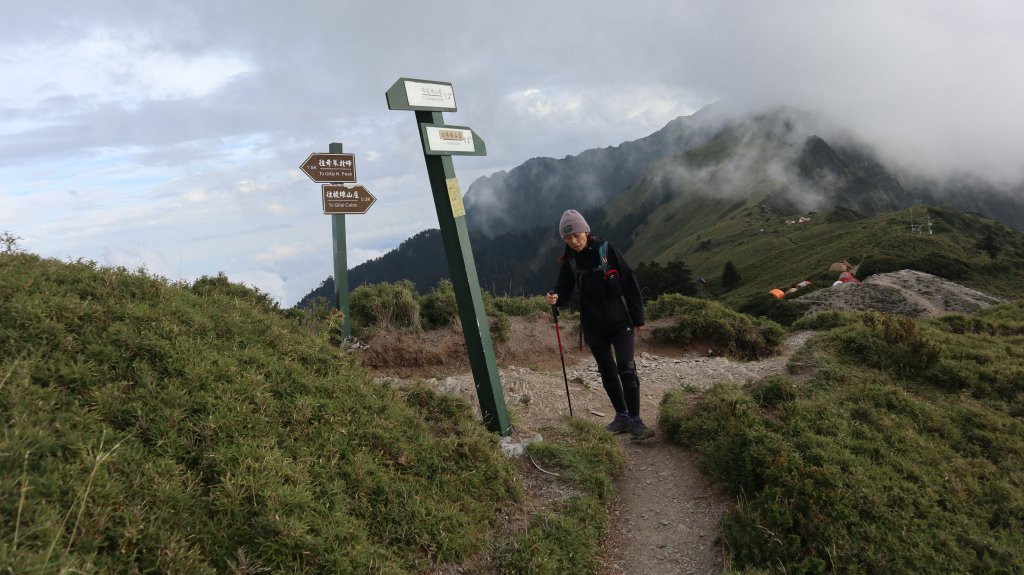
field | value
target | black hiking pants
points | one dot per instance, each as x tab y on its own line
618	371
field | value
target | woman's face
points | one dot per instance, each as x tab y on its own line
576	242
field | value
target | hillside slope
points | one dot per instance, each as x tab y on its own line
155	427
771	250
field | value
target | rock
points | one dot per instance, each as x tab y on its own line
515	445
450	386
905	292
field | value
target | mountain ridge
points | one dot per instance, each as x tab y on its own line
654	197
585	180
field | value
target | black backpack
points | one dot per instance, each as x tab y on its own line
602	256
612	283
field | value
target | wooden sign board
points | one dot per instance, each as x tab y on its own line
346	200
330	167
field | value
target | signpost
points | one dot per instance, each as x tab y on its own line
330	167
451	140
346	200
421	95
429	99
337	167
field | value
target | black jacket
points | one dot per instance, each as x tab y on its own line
601	306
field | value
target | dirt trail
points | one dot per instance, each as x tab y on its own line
665	518
666	512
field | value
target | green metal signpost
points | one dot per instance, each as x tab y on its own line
340	261
336	167
429	99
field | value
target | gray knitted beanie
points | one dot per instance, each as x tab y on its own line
572	222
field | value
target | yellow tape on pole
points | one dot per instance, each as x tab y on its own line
455	197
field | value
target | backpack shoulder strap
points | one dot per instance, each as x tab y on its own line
602	256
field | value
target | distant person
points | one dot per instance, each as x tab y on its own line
611	312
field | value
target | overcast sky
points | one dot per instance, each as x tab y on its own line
169	135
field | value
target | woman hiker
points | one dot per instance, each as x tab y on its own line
611	312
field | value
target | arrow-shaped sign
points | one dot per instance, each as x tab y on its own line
451	141
330	167
425	95
346	200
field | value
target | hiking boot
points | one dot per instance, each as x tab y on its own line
620	424
638	430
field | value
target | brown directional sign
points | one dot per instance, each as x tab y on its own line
330	167
346	200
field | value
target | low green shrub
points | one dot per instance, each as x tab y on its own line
670	305
1002	320
702	321
957	323
715	424
826	320
859	476
891	343
782	311
220	284
500	325
320	319
985	365
385	305
977	354
521	306
773	391
872	465
439	307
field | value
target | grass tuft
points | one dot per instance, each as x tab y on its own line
566	538
587	455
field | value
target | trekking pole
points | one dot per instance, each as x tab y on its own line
561	354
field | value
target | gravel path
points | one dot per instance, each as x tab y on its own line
666	512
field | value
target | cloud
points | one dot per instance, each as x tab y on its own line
124	125
127	66
265	281
138	258
594	116
935	84
358	256
756	163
